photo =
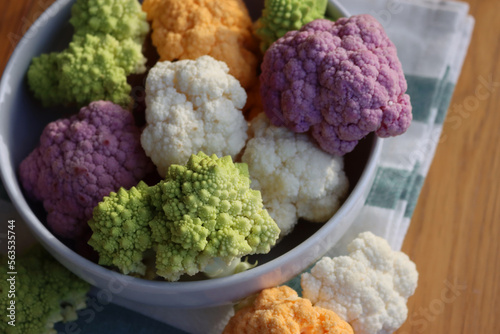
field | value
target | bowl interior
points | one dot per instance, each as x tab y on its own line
23	119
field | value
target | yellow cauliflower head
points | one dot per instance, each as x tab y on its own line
281	310
188	29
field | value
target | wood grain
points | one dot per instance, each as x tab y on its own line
454	236
455	231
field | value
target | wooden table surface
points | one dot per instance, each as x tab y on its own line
454	237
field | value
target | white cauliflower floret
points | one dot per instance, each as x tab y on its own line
368	288
296	178
192	106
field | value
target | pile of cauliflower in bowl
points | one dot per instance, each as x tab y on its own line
239	138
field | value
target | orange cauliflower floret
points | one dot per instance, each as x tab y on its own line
188	29
281	310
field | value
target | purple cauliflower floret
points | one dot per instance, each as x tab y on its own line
340	80
80	160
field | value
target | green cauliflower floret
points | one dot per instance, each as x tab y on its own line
105	49
123	56
96	68
280	16
122	19
210	212
43	78
203	217
90	69
45	293
121	229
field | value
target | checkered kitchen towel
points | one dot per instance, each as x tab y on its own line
432	38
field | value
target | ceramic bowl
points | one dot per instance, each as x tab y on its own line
21	123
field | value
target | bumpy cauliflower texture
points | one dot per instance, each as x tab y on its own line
45	293
281	310
188	29
192	106
91	68
281	16
369	288
105	49
121	232
341	80
80	160
208	211
122	19
202	217
297	179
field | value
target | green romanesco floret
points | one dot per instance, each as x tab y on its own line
45	293
43	78
120	225
280	16
96	68
210	212
202	217
122	19
105	49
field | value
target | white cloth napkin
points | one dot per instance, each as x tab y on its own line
432	38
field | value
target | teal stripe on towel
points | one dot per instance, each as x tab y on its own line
422	93
388	187
413	195
445	102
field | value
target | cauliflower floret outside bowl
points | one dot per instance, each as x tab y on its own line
22	123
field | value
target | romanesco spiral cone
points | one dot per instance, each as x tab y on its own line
45	293
281	16
202	217
121	19
43	79
106	47
210	212
95	68
121	229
